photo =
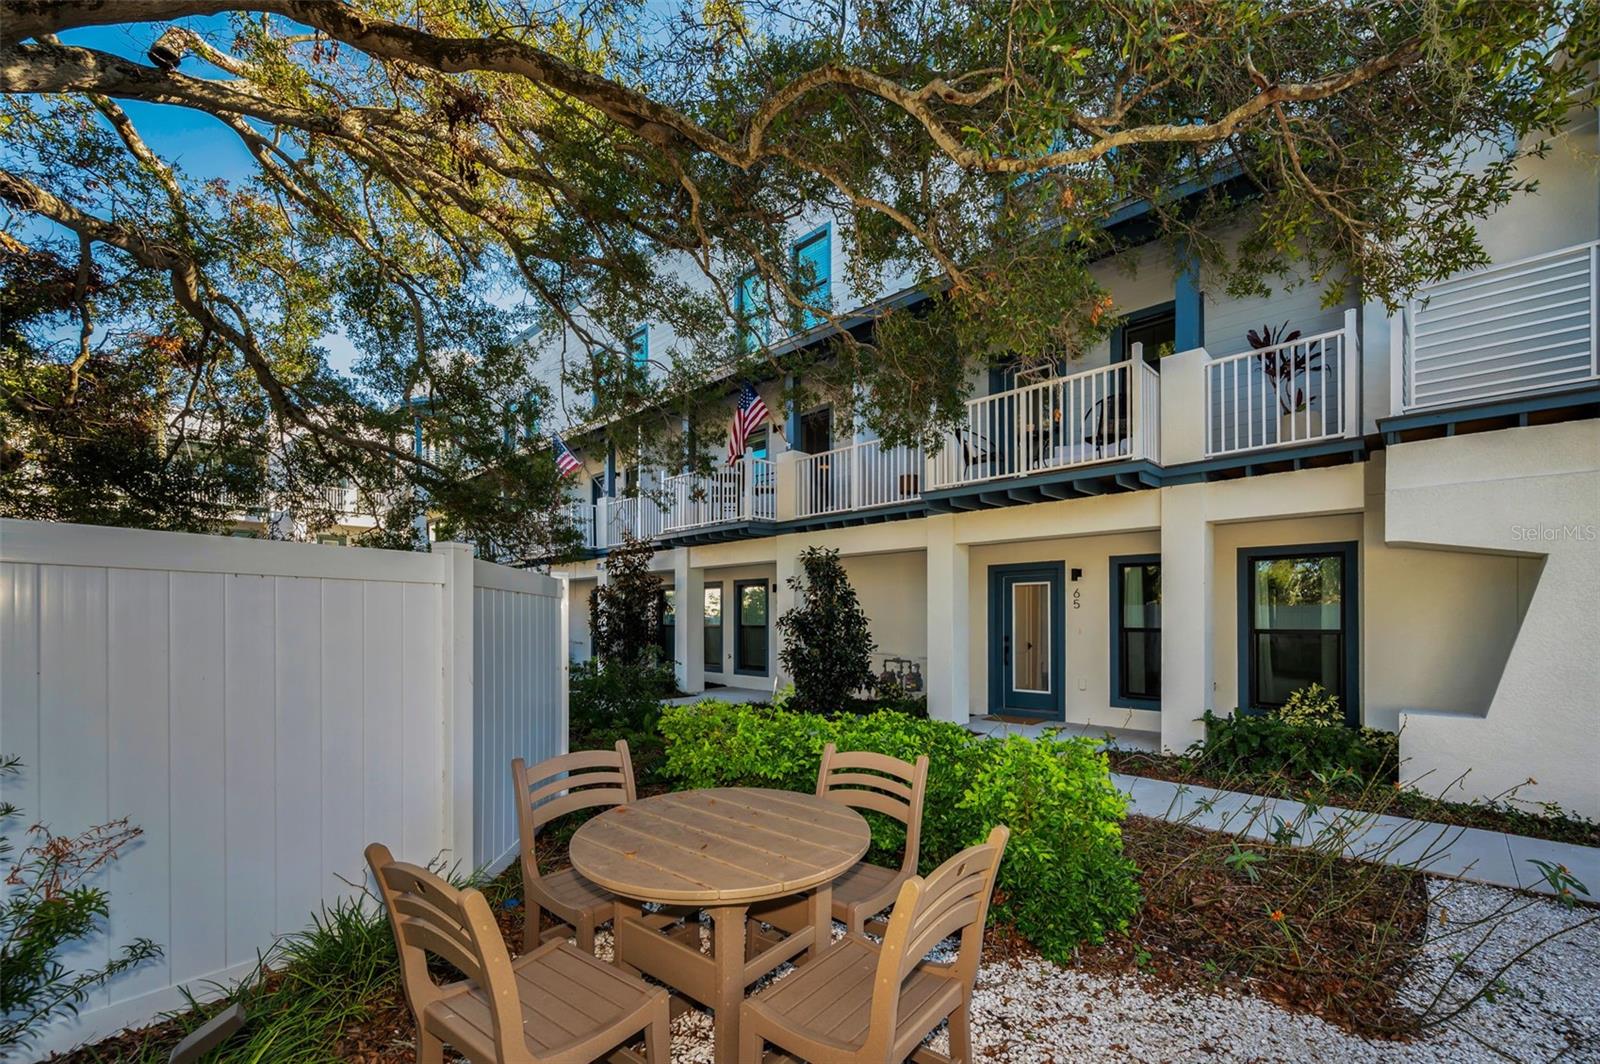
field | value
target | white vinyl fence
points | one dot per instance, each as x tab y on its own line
262	711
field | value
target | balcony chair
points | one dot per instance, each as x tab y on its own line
976	452
872	782
553	788
555	1004
864	1003
1107	424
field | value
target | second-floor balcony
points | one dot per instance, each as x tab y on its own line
744	491
1102	415
861	476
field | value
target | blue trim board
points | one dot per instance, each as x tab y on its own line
1449	417
1069	483
1055	573
1349	615
1118	699
1189	311
1255	463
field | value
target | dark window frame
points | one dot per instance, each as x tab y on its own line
667	634
1135	319
748	340
739	625
1119	697
639	347
1349	621
705	653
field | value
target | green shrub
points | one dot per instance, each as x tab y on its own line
1311	705
1065	880
827	643
606	697
1265	746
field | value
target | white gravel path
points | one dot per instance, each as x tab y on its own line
1034	1012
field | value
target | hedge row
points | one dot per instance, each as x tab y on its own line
1065	880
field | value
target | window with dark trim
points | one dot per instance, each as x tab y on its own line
667	633
750	627
1297	624
755	323
1155	327
1136	631
813	274
639	347
713	627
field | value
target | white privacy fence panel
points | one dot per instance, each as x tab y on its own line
518	685
261	711
1513	328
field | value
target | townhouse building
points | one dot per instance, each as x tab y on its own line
1400	506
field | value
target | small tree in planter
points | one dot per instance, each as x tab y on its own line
827	644
625	612
622	687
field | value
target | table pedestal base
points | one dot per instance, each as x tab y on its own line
718	982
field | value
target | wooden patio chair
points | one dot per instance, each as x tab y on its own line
865	1003
886	785
556	1005
553	788
869	781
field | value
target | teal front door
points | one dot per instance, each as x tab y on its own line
1027	640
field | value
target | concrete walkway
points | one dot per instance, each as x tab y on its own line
1440	849
732	695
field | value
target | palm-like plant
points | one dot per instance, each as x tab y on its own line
1283	364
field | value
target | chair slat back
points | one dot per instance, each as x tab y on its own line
561	785
428	915
883	784
954	898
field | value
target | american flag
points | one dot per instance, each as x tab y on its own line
751	415
566	464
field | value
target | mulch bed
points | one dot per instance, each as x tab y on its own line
1330	938
1511	819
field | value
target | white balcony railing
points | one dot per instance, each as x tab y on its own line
1102	415
1511	329
857	477
581	514
638	516
1275	396
745	491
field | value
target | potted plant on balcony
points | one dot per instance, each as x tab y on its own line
1286	367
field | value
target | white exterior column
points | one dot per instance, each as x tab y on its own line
782	601
689	631
1187	655
949	681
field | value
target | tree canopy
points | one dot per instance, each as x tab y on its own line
414	161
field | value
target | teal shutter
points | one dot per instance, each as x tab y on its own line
813	270
755	324
639	347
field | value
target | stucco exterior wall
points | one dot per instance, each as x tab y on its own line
893	589
1531	494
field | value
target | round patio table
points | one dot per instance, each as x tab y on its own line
721	849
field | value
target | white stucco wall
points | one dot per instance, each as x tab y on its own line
1533	494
